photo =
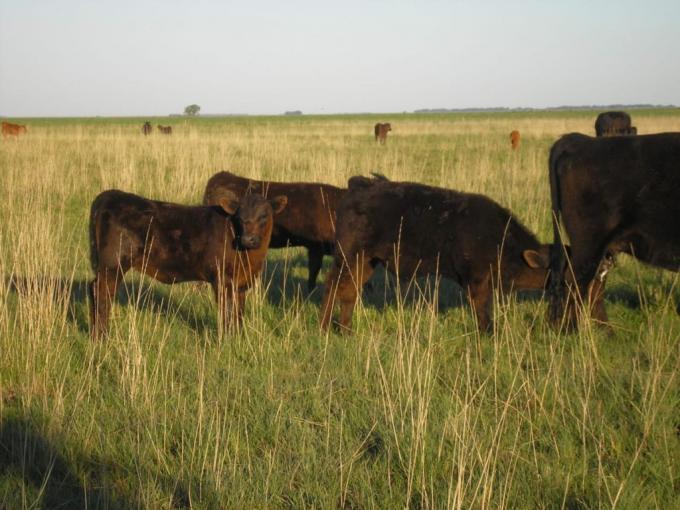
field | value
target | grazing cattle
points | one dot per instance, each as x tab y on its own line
9	129
224	245
166	130
514	139
147	128
614	124
308	220
617	194
381	130
416	230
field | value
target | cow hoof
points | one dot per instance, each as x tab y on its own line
341	329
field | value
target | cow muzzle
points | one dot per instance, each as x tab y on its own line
251	241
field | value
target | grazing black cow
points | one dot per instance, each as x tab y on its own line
416	230
224	245
381	130
308	220
147	128
617	194
166	130
614	124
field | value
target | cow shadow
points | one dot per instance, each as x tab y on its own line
80	481
284	286
133	291
26	454
384	290
59	288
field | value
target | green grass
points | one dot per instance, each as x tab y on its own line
415	409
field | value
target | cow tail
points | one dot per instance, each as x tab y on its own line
94	241
557	253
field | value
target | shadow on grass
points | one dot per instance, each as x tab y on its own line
132	292
28	455
50	479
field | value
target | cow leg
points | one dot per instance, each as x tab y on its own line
224	294
583	286
239	305
314	262
102	292
329	294
344	285
349	287
481	299
596	290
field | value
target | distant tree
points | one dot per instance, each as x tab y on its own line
192	110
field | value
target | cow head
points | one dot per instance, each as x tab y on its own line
388	126
252	217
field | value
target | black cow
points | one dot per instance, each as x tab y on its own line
308	220
147	128
416	230
224	245
618	194
614	124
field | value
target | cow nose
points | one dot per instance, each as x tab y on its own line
251	241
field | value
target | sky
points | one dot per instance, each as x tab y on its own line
137	58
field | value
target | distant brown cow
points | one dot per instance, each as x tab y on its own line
308	220
514	139
224	245
9	129
147	128
614	124
381	131
416	230
166	130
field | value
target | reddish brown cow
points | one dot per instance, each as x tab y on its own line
416	230
9	129
224	245
514	139
166	130
308	220
381	131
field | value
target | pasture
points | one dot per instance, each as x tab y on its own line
415	409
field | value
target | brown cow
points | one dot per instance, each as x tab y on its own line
147	128
308	220
9	129
381	131
166	130
224	245
612	194
514	139
416	230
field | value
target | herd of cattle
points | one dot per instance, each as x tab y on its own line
612	193
617	192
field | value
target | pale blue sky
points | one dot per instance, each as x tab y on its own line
67	58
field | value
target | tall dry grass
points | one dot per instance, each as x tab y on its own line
415	409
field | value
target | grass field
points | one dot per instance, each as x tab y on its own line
414	410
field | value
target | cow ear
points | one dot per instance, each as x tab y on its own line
279	203
229	202
535	259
